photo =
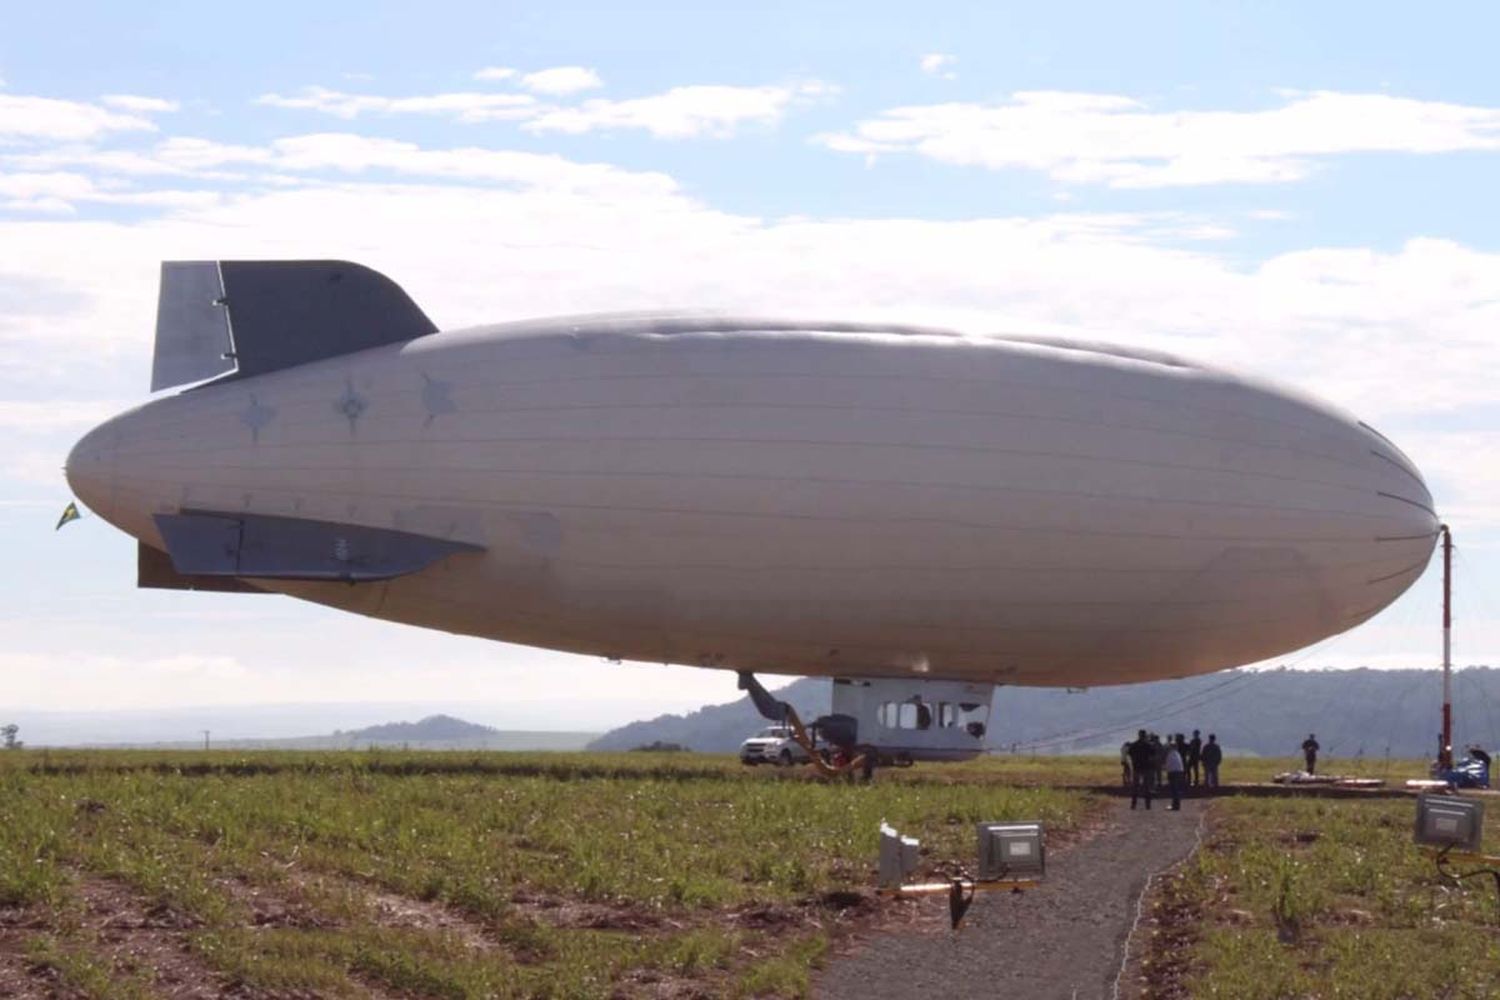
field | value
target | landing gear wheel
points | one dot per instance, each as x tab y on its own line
867	772
784	759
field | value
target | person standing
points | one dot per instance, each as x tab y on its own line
1213	754
1142	768
1175	772
1125	763
1310	750
1159	760
1194	759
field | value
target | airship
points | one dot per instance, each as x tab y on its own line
919	513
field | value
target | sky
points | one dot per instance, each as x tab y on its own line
1304	192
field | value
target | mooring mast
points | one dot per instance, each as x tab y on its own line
1445	752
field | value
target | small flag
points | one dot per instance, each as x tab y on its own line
70	513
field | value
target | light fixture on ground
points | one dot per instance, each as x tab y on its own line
1453	828
1012	857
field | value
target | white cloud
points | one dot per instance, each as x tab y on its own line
44	186
38	679
1455	463
46	118
177	155
700	110
494	73
1118	141
682	112
561	80
477	235
59	185
187	153
158	658
108	161
46	416
571	235
35	467
568	237
44	204
940	64
1403	336
58	192
351	153
142	105
464	106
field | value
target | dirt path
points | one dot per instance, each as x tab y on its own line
135	939
18	980
1064	940
145	940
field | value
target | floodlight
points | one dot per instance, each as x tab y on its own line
1011	851
898	857
1449	822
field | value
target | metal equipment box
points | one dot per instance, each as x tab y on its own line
1011	851
898	857
1450	822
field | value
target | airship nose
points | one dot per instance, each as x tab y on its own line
90	468
1401	484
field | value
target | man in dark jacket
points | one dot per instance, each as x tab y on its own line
1213	754
1142	768
1310	750
1194	756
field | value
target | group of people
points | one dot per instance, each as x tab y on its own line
1149	762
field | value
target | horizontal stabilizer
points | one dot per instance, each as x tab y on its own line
249	317
154	571
208	543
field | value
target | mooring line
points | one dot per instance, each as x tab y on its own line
1140	901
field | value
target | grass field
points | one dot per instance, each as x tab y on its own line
462	875
1309	897
1078	771
396	874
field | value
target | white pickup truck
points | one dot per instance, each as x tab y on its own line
772	745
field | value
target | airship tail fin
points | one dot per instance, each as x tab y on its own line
248	317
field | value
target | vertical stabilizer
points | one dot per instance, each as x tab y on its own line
250	317
192	325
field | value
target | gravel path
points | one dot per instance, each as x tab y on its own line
1063	940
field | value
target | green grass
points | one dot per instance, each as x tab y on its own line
674	842
32	839
785	974
76	963
1330	898
1295	896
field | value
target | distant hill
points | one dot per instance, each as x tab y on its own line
1266	713
435	732
232	723
434	728
715	728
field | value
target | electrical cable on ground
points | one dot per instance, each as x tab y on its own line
1457	877
1140	900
